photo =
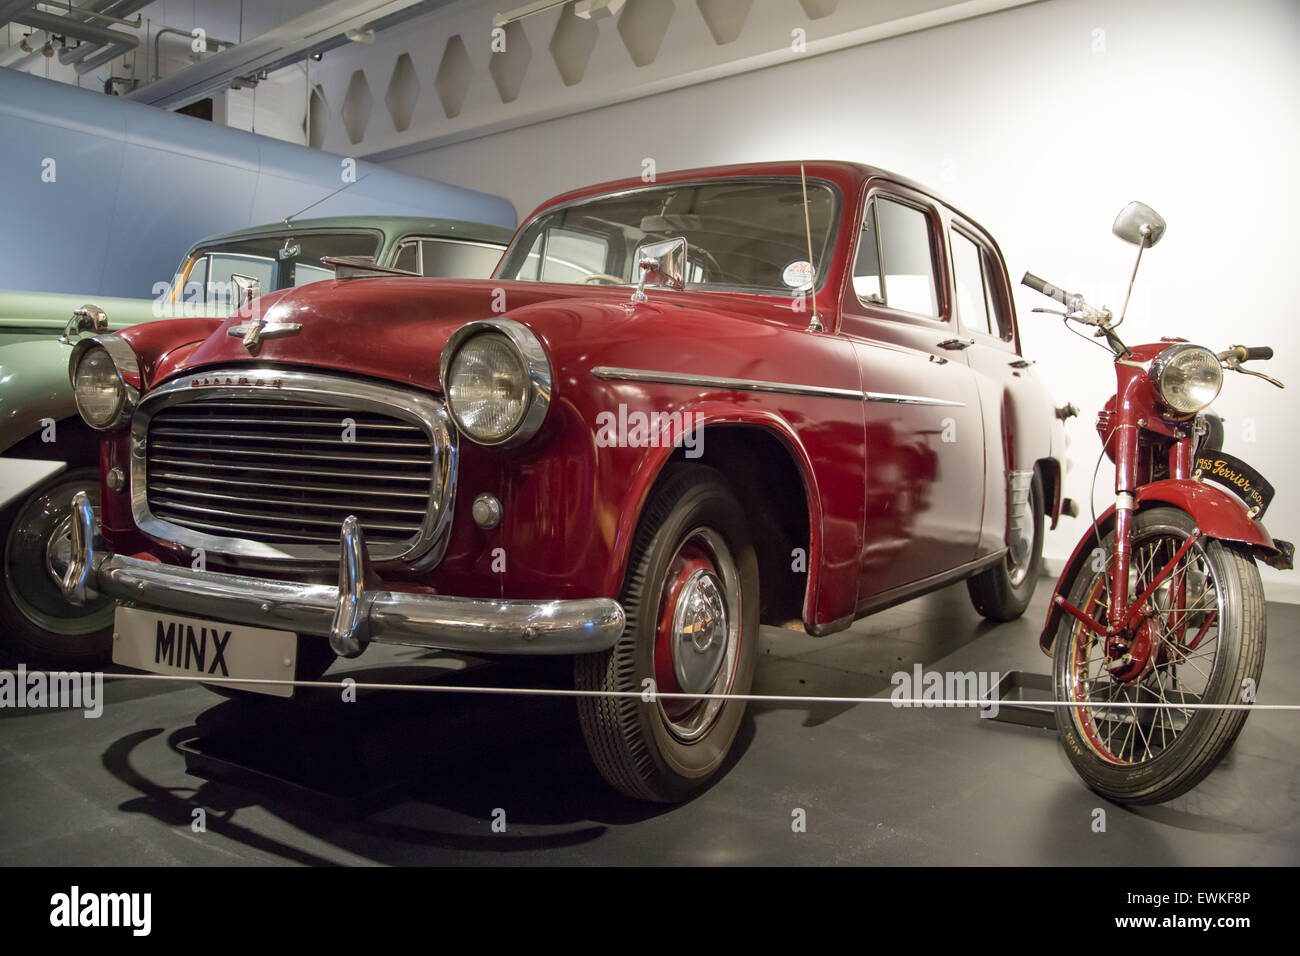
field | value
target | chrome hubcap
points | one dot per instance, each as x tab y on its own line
699	632
697	639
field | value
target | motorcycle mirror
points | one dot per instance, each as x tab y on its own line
1139	224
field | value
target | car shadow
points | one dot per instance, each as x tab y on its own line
401	777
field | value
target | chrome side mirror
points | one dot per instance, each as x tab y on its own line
661	264
88	318
247	288
1139	224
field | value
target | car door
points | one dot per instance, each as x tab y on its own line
924	431
985	316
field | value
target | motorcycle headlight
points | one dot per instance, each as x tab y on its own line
103	398
1187	378
497	381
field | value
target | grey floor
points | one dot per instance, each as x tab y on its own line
418	778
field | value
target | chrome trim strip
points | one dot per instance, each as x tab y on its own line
473	625
292	387
610	374
909	399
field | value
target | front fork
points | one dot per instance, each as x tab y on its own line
1122	615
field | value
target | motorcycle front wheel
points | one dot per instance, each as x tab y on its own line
1203	644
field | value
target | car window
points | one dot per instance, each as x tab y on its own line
408	257
304	274
999	320
895	261
742	235
972	297
866	268
571	256
450	259
223	266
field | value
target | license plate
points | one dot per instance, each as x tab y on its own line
165	643
1237	476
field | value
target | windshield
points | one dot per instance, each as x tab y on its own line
277	262
742	235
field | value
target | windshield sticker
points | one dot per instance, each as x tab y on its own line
798	274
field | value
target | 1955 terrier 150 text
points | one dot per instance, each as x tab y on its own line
680	409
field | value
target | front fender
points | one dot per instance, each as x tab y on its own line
35	387
1217	513
701	416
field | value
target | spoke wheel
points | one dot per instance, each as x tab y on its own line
1199	639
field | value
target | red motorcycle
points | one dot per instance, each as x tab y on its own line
1160	610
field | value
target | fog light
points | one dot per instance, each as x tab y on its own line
115	480
486	511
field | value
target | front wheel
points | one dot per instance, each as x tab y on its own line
1200	639
37	624
691	599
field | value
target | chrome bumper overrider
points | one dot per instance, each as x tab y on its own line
350	615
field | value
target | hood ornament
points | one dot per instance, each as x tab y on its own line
257	328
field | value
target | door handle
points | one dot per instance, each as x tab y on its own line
956	345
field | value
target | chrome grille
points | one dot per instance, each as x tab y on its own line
270	472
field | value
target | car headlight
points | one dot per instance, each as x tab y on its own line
1187	378
497	381
104	399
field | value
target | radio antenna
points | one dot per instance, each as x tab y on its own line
288	220
814	324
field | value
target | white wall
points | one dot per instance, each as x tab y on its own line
1041	122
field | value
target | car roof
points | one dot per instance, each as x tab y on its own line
847	175
389	225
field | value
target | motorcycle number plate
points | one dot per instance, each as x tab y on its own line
1237	476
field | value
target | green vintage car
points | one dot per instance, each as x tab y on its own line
39	420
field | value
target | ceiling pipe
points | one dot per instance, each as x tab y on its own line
51	23
108	52
102	8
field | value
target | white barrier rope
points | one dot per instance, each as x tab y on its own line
651	696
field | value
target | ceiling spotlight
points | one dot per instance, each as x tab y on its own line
48	49
24	43
357	35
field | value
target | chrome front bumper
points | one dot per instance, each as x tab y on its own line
350	615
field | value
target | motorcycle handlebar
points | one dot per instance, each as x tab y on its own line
1242	353
1045	287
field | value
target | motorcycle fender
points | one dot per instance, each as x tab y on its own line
1216	512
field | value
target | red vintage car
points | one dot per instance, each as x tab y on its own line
681	408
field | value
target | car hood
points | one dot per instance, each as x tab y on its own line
385	328
395	328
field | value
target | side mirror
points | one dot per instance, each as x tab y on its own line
1139	224
247	288
661	264
88	318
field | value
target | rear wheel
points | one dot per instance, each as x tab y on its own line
1201	640
37	624
691	599
1003	592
